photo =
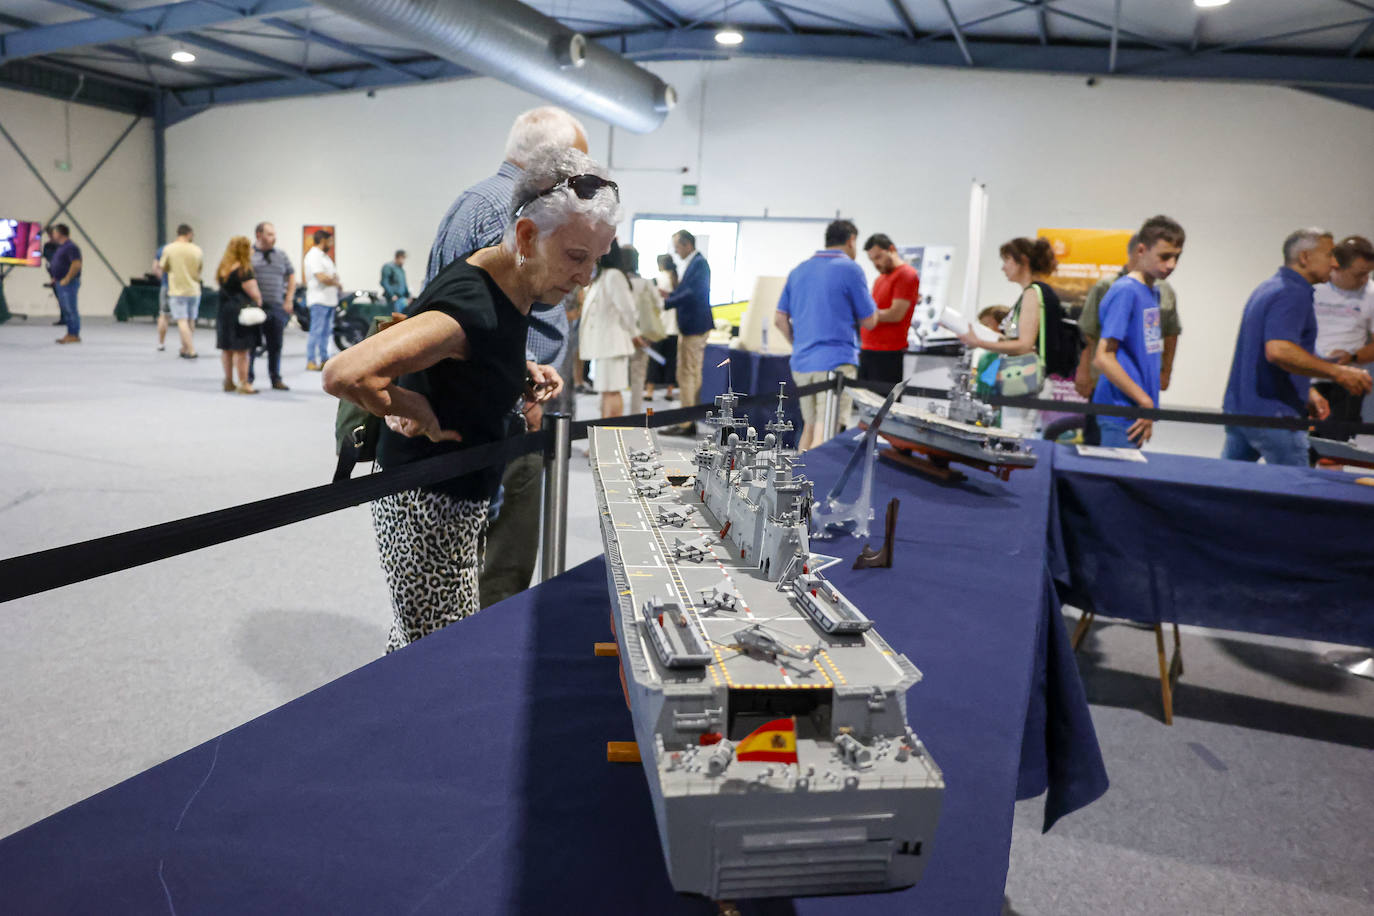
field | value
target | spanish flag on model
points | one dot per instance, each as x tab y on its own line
774	742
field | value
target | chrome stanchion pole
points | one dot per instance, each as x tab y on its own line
830	425
557	453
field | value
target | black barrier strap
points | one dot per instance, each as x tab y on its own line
581	428
59	566
48	569
1209	417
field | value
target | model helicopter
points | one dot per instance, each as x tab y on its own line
755	641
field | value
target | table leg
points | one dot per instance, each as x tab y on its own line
1176	666
1080	631
1165	689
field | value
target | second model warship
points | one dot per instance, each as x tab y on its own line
769	713
961	432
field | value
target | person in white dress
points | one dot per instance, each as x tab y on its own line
609	333
649	311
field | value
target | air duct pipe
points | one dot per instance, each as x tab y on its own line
521	46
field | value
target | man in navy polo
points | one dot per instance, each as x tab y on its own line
823	304
65	269
1274	357
692	300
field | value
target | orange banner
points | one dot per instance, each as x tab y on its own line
1085	256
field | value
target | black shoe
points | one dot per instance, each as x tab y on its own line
59	322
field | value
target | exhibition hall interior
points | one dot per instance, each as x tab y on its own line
687	456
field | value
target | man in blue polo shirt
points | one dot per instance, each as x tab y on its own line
823	304
1274	361
1131	339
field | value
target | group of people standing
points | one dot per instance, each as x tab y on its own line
257	287
624	320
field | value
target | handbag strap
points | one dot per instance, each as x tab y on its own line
1040	294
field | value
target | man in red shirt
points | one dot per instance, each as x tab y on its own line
896	291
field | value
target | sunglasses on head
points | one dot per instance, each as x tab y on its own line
584	186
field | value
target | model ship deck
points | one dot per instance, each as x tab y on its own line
646	549
770	714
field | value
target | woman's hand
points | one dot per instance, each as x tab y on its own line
640	343
424	423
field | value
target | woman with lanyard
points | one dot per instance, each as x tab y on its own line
1028	264
446	378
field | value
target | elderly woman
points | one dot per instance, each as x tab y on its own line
609	334
450	376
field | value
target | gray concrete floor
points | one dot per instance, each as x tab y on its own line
1256	801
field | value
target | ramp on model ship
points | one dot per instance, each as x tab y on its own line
782	764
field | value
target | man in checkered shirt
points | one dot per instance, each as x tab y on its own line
476	220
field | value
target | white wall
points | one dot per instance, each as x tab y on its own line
116	207
893	148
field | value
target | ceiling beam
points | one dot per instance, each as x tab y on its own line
376	60
904	17
188	102
782	18
958	33
1289	69
1116	31
280	67
1045	6
659	12
1358	44
109	24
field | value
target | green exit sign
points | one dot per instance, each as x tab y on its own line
689	194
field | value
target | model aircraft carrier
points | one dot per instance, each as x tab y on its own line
770	715
961	432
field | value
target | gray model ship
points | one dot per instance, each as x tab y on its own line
962	432
770	715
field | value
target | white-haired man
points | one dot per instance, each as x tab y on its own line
477	220
1274	360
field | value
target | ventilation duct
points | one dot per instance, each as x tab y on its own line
521	46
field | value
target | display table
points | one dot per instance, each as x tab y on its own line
142	302
467	773
750	373
1226	544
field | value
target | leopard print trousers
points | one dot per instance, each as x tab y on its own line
431	551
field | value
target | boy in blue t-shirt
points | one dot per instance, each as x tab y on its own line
1129	348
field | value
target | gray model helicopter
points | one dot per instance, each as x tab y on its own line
757	642
696	550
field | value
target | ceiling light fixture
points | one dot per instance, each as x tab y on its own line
1209	4
183	57
727	35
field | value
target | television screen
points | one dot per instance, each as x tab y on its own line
21	243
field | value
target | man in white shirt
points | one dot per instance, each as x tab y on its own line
321	297
1345	320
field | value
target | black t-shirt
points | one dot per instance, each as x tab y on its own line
475	395
231	287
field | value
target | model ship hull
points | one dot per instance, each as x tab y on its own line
985	448
846	799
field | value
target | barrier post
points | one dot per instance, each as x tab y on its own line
830	425
557	453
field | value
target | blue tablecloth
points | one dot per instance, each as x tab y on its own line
1224	544
467	772
750	373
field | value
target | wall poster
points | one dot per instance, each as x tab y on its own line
308	241
1085	256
